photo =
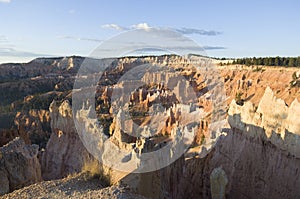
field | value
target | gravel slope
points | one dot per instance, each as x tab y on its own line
78	186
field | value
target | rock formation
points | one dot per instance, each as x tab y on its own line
258	138
35	125
252	84
64	153
278	122
255	155
255	162
19	165
218	182
32	126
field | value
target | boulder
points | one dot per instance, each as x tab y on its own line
19	165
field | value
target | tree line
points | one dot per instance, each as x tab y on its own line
269	61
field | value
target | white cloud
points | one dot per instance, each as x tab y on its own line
188	31
5	1
141	26
214	48
80	38
146	27
114	26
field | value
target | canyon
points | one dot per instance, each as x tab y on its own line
244	123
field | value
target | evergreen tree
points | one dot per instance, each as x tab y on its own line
291	62
286	62
277	61
266	61
255	61
298	61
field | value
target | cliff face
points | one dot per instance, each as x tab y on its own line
259	156
279	122
19	165
64	153
40	66
254	167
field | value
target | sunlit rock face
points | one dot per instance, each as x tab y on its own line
252	83
64	153
34	126
278	122
147	106
246	162
19	165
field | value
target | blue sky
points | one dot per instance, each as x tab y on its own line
34	28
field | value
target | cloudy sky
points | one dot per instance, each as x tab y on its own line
34	28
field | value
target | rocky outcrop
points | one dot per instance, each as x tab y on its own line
254	168
252	83
279	123
7	135
34	125
218	182
258	158
40	66
19	165
64	153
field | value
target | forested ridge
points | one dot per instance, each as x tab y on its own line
269	61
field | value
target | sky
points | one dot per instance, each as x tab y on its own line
42	28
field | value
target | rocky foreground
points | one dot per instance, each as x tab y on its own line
77	186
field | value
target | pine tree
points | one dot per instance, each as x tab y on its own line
277	62
298	62
254	61
291	62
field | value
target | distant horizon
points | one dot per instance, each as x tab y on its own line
69	56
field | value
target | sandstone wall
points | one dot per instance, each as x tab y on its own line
19	165
64	153
258	157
